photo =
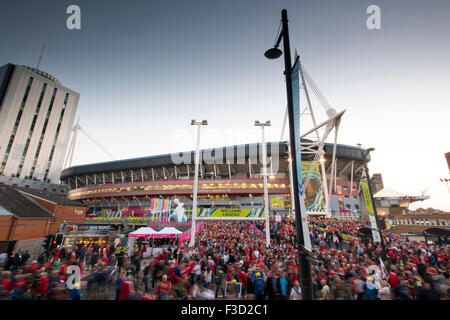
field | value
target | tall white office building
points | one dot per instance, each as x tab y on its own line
36	118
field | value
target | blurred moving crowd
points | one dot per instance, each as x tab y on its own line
231	261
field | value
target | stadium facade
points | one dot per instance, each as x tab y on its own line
229	177
36	117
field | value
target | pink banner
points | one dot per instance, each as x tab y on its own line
187	235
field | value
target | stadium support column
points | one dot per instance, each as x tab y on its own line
197	160
266	191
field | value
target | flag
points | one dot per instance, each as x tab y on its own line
297	149
384	270
370	209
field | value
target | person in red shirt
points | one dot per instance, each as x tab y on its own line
243	277
163	288
43	285
104	259
393	278
126	287
6	282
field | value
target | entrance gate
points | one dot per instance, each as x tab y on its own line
226	214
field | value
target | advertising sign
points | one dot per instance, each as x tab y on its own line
93	229
230	213
297	148
277	202
369	206
278	217
313	194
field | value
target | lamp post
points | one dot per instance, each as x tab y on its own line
303	259
197	160
266	191
446	181
366	169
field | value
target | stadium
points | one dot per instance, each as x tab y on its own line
229	177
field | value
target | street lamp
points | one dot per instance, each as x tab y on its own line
274	53
446	181
266	191
366	169
197	160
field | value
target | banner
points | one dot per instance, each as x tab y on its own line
297	148
277	202
313	194
230	213
278	217
368	200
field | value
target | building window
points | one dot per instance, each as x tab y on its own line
30	132
16	125
38	150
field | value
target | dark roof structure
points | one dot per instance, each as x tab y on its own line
58	199
342	152
437	232
21	205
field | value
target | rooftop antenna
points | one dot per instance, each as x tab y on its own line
40	58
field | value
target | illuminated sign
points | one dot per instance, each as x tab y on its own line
230	213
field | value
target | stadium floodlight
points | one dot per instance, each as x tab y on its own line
303	255
266	191
197	160
260	124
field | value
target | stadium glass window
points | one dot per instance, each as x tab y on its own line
348	206
357	206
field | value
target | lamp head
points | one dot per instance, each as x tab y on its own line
273	53
204	122
370	149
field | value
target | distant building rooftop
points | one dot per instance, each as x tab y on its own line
58	199
15	203
388	194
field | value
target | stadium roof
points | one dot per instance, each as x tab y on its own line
342	152
18	204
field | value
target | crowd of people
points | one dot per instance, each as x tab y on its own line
230	260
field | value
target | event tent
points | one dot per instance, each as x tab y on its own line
168	232
143	232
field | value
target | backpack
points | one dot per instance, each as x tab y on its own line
15	294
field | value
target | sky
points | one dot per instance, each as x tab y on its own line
144	69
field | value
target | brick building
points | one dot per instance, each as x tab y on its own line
65	211
23	221
27	216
